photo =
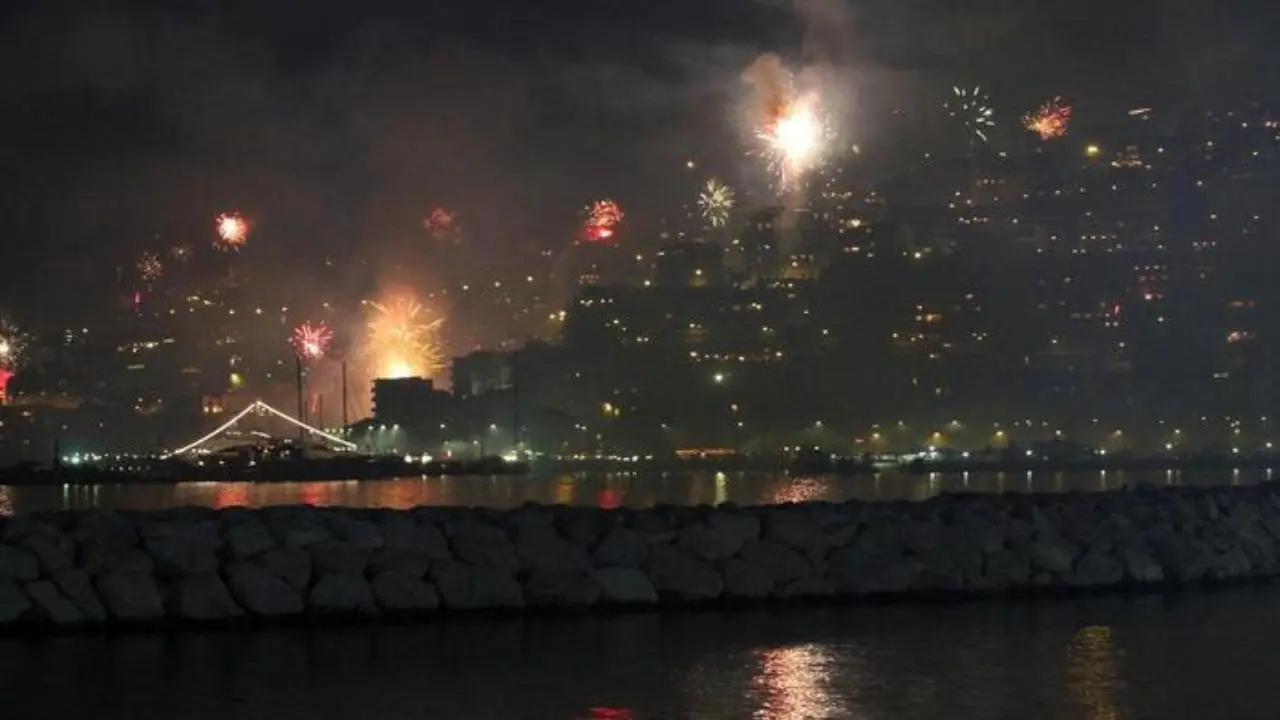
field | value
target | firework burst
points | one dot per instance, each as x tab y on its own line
1050	121
795	139
602	220
233	232
440	222
182	253
402	339
972	108
150	268
13	346
311	342
716	201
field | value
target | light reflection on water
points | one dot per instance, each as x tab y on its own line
601	490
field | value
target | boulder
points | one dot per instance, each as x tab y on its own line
1052	554
303	535
180	549
332	557
358	533
14	603
17	564
563	588
624	586
261	592
51	548
652	527
856	573
1139	565
678	574
247	540
476	543
746	581
735	528
782	565
342	593
130	596
102	559
583	526
403	534
202	596
795	529
411	563
50	605
708	544
1008	569
809	587
1096	569
549	553
77	586
293	565
476	587
1184	558
397	592
622	547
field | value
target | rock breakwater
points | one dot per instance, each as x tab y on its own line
100	568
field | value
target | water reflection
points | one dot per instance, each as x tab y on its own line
1093	675
603	490
794	682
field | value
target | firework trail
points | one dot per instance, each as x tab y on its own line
603	218
972	108
401	339
716	201
440	222
311	342
233	232
1050	121
150	268
789	122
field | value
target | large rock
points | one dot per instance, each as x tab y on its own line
77	586
17	564
247	540
679	575
49	546
202	596
1139	565
180	548
746	581
293	565
342	593
332	557
625	586
734	528
471	587
796	529
622	547
261	592
303	535
402	534
1008	569
14	603
708	544
782	565
1184	558
1096	569
856	573
130	596
50	605
476	543
411	563
358	533
397	592
549	553
1053	554
561	588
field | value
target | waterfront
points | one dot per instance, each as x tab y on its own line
600	489
1192	656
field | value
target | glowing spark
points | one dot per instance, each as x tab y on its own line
794	139
440	222
972	109
181	253
716	200
311	342
233	232
1050	120
150	268
603	218
13	345
401	340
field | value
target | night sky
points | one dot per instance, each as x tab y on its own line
336	125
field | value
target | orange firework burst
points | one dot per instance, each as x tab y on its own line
181	253
402	339
440	222
233	231
13	344
603	218
150	268
1050	120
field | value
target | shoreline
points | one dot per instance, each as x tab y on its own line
302	566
